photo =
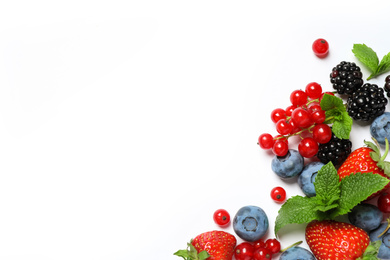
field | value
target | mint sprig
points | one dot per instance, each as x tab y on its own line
337	114
370	59
333	198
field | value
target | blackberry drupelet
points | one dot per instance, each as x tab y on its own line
335	151
366	103
387	86
346	78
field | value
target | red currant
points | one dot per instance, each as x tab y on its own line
318	116
295	128
262	253
278	194
221	217
384	202
283	127
281	138
266	141
308	147
273	245
290	109
322	133
320	48
278	114
244	251
301	117
259	243
313	90
280	148
298	98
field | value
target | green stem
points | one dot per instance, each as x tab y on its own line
295	244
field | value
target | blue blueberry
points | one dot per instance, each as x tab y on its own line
380	128
384	249
307	177
297	252
289	165
250	223
366	216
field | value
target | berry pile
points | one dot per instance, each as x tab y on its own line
304	115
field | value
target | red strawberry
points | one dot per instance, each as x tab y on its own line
218	244
334	240
364	160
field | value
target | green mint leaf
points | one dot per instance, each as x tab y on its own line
357	187
298	210
333	115
329	102
367	56
371	251
325	208
384	65
327	186
342	126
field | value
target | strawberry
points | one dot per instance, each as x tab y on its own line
329	239
212	245
366	159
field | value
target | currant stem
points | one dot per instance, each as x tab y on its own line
387	228
296	133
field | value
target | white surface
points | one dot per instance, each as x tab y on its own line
124	125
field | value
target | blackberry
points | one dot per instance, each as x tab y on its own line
335	151
387	86
367	103
346	78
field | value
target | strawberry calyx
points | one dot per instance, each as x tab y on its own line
377	157
191	254
371	251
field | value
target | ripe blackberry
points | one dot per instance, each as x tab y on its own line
367	102
335	151
346	78
387	86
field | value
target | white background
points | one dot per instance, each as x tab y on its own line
125	124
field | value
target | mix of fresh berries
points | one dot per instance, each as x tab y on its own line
337	181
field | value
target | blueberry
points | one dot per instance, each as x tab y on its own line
297	252
289	165
307	177
384	249
250	223
366	216
380	128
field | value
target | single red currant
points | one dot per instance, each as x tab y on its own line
295	128
322	133
262	254
384	202
301	117
308	147
277	114
259	243
280	148
290	109
273	245
266	141
320	48
298	98
313	90
278	194
318	117
283	127
244	251
221	217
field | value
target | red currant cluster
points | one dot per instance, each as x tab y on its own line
257	250
304	115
